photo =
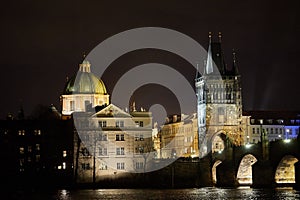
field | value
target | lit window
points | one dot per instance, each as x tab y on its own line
37	132
37	147
64	165
29	149
59	167
22	150
21	132
64	153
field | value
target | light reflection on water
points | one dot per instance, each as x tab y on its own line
184	194
156	194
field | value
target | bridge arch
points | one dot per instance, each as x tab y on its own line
244	174
285	171
214	171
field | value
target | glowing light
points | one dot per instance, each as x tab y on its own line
287	140
248	146
64	165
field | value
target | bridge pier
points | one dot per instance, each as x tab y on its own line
226	175
205	172
262	175
297	176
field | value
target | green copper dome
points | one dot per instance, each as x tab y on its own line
85	82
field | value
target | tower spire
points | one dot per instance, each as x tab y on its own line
209	62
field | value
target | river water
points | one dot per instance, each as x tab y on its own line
185	194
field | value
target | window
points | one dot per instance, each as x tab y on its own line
119	123
102	137
139	149
21	150
253	140
37	158
37	132
257	129
64	153
21	132
120	137
139	165
86	103
139	137
253	130
120	151
102	151
37	147
102	123
85	166
103	166
120	165
72	105
139	123
29	149
85	152
272	131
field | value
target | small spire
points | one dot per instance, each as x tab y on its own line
234	67
220	37
209	34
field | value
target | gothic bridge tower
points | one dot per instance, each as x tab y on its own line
219	105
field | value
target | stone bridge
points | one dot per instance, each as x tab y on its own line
267	164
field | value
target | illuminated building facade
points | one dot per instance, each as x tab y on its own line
277	125
219	105
179	137
111	141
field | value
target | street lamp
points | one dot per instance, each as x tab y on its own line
287	140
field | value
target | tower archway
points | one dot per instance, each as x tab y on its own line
218	142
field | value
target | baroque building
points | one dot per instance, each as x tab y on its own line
108	141
219	106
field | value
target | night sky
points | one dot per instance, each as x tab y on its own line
42	42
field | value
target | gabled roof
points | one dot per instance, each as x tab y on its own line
111	111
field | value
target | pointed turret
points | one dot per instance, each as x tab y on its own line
215	57
234	65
